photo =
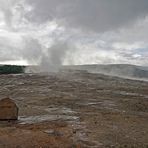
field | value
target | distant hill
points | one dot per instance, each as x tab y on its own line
122	70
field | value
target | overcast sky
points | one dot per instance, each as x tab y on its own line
55	32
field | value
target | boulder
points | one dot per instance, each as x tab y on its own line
8	109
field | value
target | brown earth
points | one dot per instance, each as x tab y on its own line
75	110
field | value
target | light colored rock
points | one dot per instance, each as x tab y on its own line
8	109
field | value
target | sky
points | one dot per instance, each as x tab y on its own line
51	33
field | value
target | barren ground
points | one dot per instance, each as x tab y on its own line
75	110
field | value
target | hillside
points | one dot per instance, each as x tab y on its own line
121	70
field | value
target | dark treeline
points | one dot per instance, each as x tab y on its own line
11	69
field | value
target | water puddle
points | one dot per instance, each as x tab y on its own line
60	110
107	104
53	113
124	93
42	118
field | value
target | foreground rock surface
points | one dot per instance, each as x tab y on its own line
75	110
8	109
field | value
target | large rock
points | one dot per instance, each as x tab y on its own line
8	109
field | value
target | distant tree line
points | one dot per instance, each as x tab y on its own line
11	69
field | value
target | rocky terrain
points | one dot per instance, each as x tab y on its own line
75	109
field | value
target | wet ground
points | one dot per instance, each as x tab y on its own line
75	109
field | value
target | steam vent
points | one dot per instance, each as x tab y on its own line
8	109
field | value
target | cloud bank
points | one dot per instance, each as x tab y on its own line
56	32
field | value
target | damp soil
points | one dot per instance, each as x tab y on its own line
75	110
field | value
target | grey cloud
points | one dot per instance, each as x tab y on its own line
93	15
6	8
7	50
45	10
32	51
71	42
8	53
